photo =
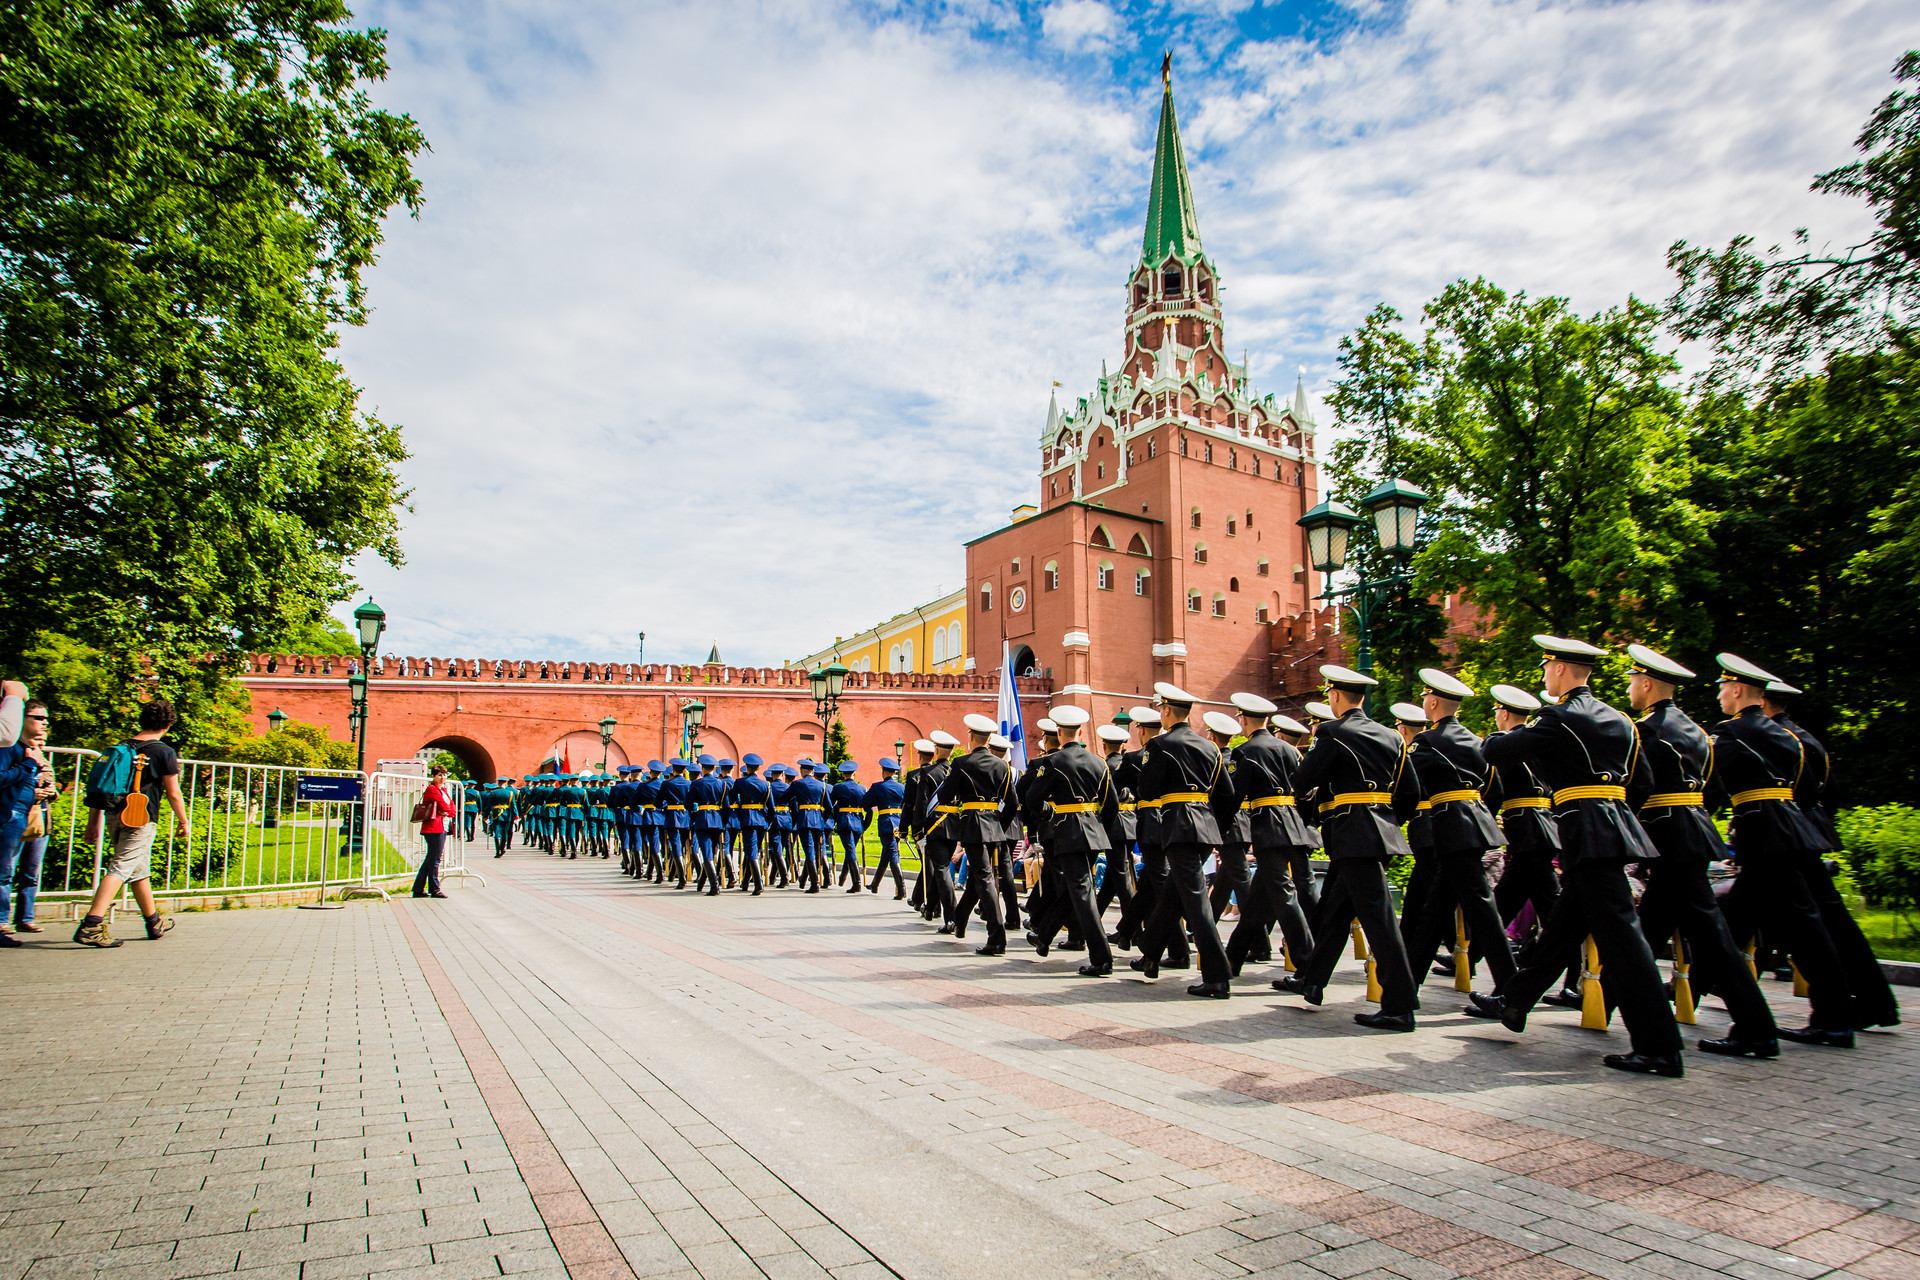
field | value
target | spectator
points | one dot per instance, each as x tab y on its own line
434	827
13	698
131	862
19	786
33	841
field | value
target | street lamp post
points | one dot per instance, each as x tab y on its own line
694	712
370	622
607	725
276	720
1395	509
827	683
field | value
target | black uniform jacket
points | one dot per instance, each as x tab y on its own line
1022	788
925	824
1125	773
1069	801
1530	828
1681	757
1263	768
1446	760
1180	762
1756	764
1358	756
1587	754
981	785
1146	827
1816	779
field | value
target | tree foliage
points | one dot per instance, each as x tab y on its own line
190	191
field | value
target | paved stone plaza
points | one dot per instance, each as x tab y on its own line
565	1073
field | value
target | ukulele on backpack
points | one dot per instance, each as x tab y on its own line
137	812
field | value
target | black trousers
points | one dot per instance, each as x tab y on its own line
1269	901
1679	897
1009	891
427	879
1419	887
1116	884
1151	887
982	892
1049	908
1300	868
1771	893
1356	889
936	862
1460	878
1073	905
1873	996
1184	898
1231	876
1596	898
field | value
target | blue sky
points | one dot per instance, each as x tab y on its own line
733	321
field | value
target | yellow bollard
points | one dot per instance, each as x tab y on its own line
1593	1003
1683	1010
1753	968
1800	987
1286	957
1359	942
1462	953
1362	952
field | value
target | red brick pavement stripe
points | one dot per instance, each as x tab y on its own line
1821	1230
586	1246
1461	1249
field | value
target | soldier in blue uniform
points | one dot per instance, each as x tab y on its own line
675	796
707	801
648	819
470	806
846	805
807	801
729	831
620	801
750	812
498	806
885	801
780	837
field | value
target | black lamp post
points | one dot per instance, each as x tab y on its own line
694	712
827	683
607	725
1395	508
370	621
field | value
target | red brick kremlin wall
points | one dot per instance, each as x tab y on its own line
503	718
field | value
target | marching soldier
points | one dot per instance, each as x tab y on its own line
1451	771
1009	823
1410	721
979	791
653	819
750	806
470	806
1358	768
499	816
676	795
807	802
729	828
847	808
1263	769
1300	860
1071	803
1232	879
1117	882
939	843
1525	812
913	805
780	848
1185	776
1588	753
1672	808
707	805
1153	863
886	801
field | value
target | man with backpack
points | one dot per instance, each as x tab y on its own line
124	788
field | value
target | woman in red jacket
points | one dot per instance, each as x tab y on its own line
439	821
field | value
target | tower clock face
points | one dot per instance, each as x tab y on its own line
1017	599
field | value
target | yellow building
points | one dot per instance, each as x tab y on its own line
929	637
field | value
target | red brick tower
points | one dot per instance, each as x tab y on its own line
1164	545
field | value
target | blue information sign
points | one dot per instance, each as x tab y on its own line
315	788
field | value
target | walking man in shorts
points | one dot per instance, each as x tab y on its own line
129	857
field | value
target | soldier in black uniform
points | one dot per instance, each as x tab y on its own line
1447	762
979	791
1589	754
1009	822
1358	769
1047	889
1263	768
1672	808
911	811
1232	877
1071	801
1117	882
1185	776
1300	862
1409	721
1525	811
937	845
1873	998
1756	766
1152	883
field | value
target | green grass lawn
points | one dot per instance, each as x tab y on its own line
1892	938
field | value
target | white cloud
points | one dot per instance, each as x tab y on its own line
737	321
1080	24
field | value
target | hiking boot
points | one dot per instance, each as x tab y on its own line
158	926
94	935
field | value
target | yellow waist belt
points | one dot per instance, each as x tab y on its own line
1525	802
1675	799
946	808
815	807
1185	797
1597	791
1357	797
1127	807
677	808
710	808
1076	808
573	806
1423	806
1448	797
1763	793
1148	804
971	806
1270	802
884	812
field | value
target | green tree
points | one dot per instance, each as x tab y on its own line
190	191
323	635
836	743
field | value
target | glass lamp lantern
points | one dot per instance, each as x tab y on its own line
1395	508
1328	527
370	620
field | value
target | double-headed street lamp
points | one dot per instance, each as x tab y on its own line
607	726
694	713
827	684
370	621
1395	508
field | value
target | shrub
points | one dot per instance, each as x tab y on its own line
1882	848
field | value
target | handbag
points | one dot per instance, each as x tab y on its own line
422	810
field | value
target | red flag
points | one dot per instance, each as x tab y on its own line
566	761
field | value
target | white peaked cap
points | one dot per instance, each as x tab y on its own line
1070	717
941	738
1337	675
1514	698
1782	687
1221	722
923	744
1173	693
1738	668
1656	664
999	740
1320	711
1253	704
1548	699
1047	725
1287	724
1570	650
1112	733
1143	715
1445	685
1407	713
980	724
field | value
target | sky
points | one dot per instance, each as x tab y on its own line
731	322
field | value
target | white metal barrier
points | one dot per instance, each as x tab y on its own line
390	798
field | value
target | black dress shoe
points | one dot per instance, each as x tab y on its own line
1513	1017
1211	990
1566	998
990	950
1731	1048
1443	968
946	928
1039	948
1095	971
1480	1006
1822	1036
1121	941
1385	1021
1646	1064
1294	985
1073	946
1142	965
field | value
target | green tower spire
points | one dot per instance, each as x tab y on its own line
1171	224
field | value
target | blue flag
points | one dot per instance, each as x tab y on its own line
1012	728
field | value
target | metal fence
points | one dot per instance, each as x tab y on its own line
390	801
248	830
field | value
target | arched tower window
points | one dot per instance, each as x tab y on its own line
986	597
1050	575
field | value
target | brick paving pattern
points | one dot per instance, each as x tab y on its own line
567	1074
